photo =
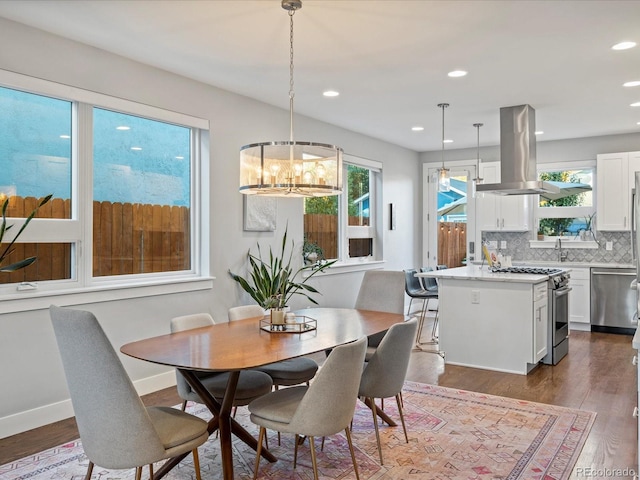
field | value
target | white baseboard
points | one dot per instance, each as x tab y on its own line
41	416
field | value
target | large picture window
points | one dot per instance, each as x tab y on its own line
122	179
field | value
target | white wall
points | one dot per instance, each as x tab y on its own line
573	149
33	389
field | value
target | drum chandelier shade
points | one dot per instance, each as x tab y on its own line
290	168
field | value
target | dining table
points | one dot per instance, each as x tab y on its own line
244	344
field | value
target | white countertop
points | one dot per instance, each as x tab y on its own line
568	265
475	272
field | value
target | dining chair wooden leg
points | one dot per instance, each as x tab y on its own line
375	424
89	471
314	460
184	405
353	453
322	444
138	473
404	427
196	464
151	471
258	451
295	451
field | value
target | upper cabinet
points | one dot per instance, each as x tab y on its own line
615	174
510	213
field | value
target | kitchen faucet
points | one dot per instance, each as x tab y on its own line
562	254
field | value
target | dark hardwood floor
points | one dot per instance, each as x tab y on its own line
597	375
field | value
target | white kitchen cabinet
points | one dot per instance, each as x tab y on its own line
579	303
615	174
507	213
540	321
497	325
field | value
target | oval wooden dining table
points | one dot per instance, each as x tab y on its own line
242	344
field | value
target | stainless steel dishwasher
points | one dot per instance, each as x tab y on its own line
613	302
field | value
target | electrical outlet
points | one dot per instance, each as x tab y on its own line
503	244
609	246
475	296
493	243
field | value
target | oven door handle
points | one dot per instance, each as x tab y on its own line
561	292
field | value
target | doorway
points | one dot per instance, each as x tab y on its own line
449	218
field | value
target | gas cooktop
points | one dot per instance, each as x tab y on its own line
529	270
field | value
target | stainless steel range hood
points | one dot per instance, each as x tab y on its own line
518	172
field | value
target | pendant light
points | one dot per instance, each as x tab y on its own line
444	181
478	180
290	168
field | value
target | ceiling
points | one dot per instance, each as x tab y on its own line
388	59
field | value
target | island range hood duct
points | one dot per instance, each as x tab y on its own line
518	171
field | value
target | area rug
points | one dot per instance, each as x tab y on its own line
453	434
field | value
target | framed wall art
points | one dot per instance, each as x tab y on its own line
259	213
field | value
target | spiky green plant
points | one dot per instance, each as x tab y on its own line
272	282
8	250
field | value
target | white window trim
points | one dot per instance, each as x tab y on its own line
345	232
565	212
84	289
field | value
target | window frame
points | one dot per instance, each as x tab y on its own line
565	212
373	231
82	287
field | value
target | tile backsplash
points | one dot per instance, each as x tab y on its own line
518	248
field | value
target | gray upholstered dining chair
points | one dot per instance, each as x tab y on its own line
324	408
385	372
251	383
116	429
382	291
286	372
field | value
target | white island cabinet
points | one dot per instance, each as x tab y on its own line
494	321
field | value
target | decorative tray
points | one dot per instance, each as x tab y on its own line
292	324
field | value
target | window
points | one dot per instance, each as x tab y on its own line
122	175
571	211
345	227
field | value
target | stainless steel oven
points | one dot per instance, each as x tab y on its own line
558	336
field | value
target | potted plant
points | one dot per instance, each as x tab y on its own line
272	281
8	250
311	251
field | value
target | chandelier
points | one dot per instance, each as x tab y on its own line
444	181
291	168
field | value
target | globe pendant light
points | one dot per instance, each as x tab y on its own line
290	168
444	181
478	180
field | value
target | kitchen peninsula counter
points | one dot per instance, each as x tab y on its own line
494	321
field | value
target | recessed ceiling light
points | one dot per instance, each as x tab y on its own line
539	132
417	128
123	127
635	83
330	93
637	104
623	45
137	149
447	141
65	136
179	157
457	73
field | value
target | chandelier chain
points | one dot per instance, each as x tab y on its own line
291	92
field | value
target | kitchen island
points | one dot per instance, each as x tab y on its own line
494	321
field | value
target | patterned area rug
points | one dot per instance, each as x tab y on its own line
453	434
